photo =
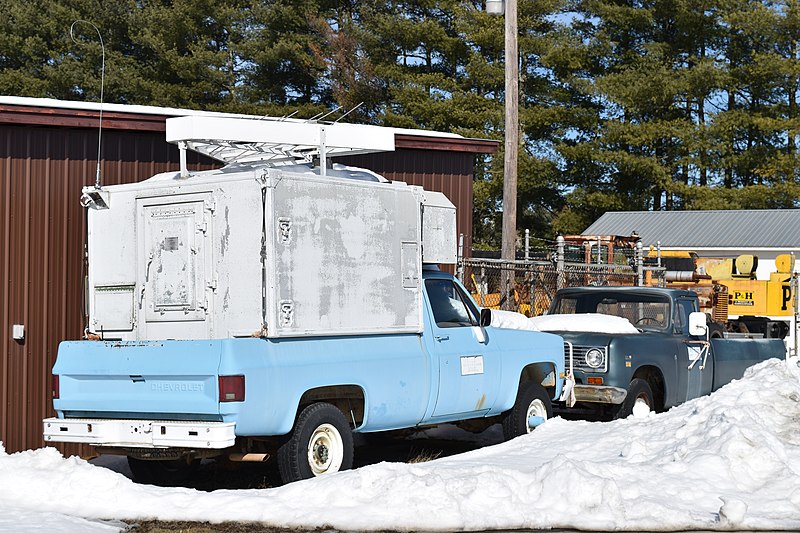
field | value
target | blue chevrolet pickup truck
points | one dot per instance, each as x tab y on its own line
273	307
661	356
166	404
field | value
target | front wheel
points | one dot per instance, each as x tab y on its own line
639	391
531	408
320	443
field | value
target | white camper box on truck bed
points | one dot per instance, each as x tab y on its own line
262	250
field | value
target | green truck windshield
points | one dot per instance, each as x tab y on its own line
642	310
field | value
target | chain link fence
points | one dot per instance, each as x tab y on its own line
528	286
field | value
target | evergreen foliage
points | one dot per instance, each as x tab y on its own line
624	104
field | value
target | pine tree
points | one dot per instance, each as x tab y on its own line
192	61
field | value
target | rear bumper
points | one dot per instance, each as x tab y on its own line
600	394
140	433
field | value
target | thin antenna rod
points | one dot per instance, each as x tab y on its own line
334	110
102	85
290	115
347	113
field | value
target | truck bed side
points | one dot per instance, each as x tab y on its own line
177	380
733	356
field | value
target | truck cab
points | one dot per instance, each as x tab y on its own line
656	359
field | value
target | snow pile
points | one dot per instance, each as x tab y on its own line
721	462
587	322
592	322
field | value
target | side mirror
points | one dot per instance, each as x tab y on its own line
486	317
697	324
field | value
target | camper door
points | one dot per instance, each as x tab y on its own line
172	263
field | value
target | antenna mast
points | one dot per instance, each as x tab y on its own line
102	85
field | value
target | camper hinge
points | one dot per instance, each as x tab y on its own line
202	227
210	205
212	284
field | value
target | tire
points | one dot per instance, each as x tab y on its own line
160	472
638	390
715	330
320	443
532	399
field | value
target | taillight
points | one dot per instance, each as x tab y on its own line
231	388
56	387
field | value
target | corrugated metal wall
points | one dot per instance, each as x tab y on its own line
46	157
42	225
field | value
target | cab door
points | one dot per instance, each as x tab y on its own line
695	367
468	368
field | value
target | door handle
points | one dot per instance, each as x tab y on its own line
441	338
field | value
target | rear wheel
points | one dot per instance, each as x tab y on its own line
639	390
531	408
320	443
162	472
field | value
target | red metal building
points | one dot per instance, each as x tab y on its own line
48	152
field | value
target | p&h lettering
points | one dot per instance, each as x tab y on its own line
176	387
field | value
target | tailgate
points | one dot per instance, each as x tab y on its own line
154	380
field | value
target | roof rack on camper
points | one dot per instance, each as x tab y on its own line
273	141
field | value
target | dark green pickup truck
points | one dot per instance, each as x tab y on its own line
662	357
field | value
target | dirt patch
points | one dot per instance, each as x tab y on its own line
223	527
206	527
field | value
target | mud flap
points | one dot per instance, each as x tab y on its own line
568	391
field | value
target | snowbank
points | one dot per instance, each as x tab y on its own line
722	462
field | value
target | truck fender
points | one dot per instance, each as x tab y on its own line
543	373
350	399
655	378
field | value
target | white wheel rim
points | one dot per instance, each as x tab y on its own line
536	408
325	450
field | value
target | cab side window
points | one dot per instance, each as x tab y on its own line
680	322
450	310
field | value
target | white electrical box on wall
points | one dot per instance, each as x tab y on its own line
18	332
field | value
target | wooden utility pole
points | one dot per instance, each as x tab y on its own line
509	232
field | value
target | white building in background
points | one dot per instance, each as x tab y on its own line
765	233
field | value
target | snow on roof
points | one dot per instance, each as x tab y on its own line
728	461
177	112
586	322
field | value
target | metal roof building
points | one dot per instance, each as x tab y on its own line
762	232
48	151
766	229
